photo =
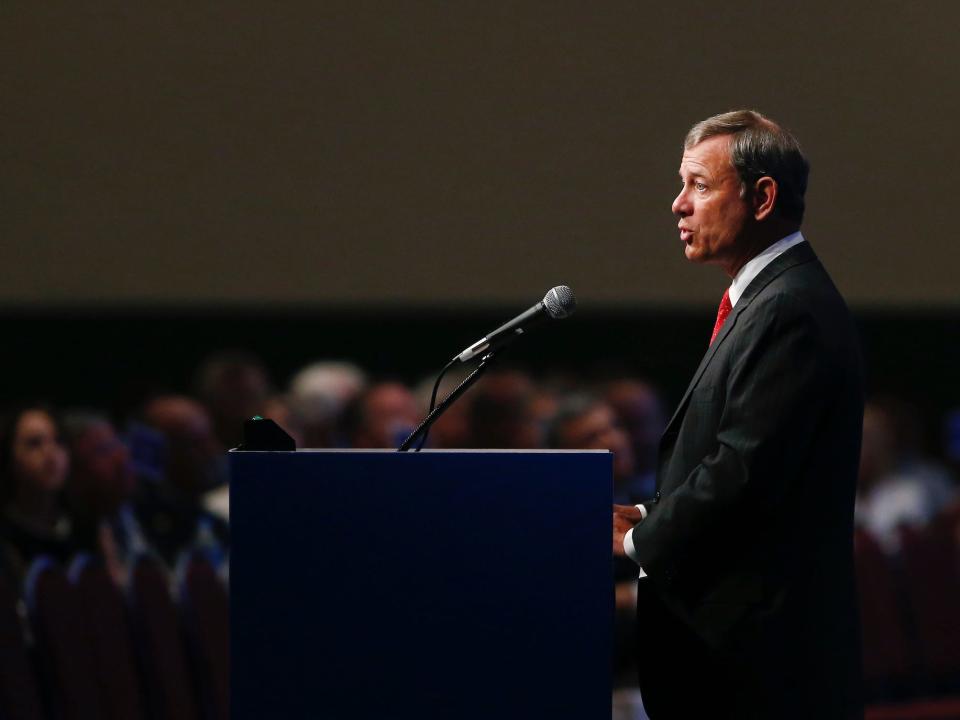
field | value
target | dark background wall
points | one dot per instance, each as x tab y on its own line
386	181
453	152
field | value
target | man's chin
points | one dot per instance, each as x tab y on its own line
693	254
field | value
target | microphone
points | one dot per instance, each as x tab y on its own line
557	304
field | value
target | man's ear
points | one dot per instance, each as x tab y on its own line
764	197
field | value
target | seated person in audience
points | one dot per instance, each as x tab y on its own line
100	490
320	393
503	414
234	386
545	402
583	422
951	441
452	429
33	470
172	511
283	412
908	432
896	485
381	417
640	414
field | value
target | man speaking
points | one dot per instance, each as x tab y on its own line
746	599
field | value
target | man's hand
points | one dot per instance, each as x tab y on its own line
625	596
624	518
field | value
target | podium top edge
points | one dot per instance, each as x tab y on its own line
465	451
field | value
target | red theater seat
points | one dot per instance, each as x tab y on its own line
943	709
205	610
19	694
63	642
932	567
887	657
105	614
169	688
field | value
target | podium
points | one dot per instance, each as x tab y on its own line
453	585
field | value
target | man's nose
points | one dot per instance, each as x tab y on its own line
680	206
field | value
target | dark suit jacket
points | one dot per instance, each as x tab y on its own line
748	543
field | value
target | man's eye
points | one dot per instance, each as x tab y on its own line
700	186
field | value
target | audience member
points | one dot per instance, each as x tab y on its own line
640	413
584	422
502	412
951	440
33	470
896	484
452	429
281	410
543	408
174	512
319	394
382	417
909	437
100	491
234	386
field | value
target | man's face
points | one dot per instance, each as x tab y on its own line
711	213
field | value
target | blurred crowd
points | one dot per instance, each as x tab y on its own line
71	483
76	480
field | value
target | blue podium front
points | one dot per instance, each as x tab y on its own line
453	585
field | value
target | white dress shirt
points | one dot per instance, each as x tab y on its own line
740	283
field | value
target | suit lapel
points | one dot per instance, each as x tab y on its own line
796	255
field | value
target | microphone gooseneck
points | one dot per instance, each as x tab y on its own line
557	304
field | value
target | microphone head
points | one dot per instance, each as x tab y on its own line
560	302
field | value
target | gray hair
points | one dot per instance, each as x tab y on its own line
322	390
759	147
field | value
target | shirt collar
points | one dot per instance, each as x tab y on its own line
749	271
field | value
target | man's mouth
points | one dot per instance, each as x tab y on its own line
685	235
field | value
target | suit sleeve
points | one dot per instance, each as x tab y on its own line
774	393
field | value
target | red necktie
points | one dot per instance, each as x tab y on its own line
722	312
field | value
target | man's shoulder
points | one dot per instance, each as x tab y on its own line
797	281
802	303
